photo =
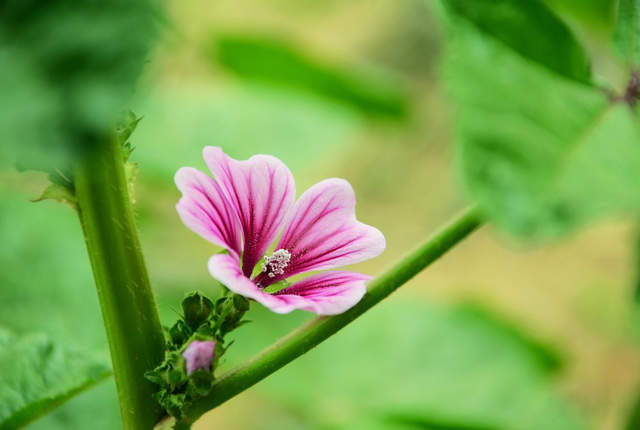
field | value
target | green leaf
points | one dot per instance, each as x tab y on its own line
420	366
527	27
59	193
281	63
37	376
626	38
542	154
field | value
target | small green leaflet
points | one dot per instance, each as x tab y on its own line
626	37
542	154
59	193
37	376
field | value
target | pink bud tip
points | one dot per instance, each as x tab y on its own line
199	355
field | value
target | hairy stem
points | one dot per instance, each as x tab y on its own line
131	319
319	329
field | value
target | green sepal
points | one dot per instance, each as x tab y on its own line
206	330
202	382
176	377
241	303
258	268
172	403
197	309
155	376
179	333
277	286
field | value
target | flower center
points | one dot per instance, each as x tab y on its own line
276	263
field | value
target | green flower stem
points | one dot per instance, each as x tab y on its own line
319	329
128	306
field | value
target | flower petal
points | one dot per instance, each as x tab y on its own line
262	192
226	269
206	211
323	232
328	293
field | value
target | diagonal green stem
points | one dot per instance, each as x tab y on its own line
128	306
319	329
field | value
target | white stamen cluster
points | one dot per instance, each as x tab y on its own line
276	263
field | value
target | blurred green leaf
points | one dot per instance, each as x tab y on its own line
95	409
36	376
67	68
280	63
47	287
411	365
543	155
527	27
627	31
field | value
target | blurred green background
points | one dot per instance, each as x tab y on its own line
497	336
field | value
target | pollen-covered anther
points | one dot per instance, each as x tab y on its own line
276	263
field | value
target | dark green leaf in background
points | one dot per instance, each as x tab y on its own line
542	154
627	31
36	376
529	28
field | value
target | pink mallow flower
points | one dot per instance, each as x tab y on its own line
245	209
199	355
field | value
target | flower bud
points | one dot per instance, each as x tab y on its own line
199	355
197	309
179	333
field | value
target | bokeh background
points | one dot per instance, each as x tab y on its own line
498	335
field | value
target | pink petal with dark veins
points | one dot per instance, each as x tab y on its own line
262	192
328	293
206	211
323	232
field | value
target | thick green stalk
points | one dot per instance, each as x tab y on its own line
319	329
131	319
